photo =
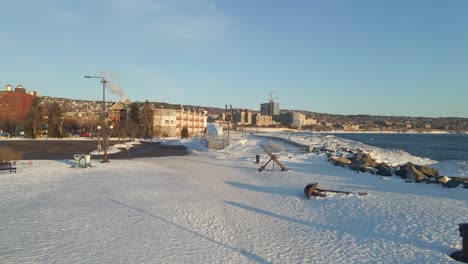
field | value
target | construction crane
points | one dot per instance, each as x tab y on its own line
271	95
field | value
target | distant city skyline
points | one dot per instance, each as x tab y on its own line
392	58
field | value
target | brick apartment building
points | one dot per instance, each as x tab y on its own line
15	104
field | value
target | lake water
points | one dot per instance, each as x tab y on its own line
439	147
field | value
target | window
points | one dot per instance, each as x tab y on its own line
167	122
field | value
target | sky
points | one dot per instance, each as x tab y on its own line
405	58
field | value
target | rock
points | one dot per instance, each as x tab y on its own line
429	172
384	169
327	150
443	179
453	183
403	170
340	161
367	169
362	160
464	179
457	181
415	175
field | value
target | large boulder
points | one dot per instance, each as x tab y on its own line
453	183
403	170
429	172
443	179
415	175
384	169
456	181
360	161
340	161
371	170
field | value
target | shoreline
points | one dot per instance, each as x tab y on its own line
409	131
394	132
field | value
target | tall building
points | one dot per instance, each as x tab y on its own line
242	117
262	120
271	108
15	104
292	119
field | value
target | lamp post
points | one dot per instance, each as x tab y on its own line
99	141
105	139
229	119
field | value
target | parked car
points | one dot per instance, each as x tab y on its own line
85	134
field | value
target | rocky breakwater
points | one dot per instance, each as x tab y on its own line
360	161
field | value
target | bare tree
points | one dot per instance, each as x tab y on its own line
146	119
132	130
34	120
121	131
55	120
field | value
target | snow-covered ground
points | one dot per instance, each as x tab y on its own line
216	207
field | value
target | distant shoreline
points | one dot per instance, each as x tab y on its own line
410	131
396	132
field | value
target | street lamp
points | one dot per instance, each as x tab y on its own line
99	141
229	120
105	139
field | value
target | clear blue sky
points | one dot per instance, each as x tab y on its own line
394	57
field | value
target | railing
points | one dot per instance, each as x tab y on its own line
216	142
306	148
276	147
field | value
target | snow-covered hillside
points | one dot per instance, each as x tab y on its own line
216	207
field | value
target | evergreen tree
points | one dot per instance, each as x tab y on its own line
134	113
9	126
184	132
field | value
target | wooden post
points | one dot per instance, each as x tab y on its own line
128	150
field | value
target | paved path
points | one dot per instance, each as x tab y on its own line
64	149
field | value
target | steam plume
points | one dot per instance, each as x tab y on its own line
112	84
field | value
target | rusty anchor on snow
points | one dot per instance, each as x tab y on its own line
311	189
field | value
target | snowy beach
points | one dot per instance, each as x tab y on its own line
216	207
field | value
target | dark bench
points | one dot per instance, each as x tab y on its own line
7	166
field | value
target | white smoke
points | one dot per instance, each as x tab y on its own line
112	83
